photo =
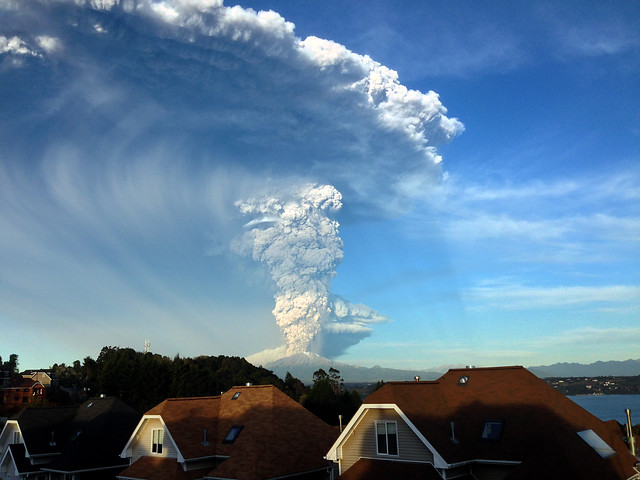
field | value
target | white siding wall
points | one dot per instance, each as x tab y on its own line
362	441
142	443
7	438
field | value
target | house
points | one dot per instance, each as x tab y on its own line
70	443
21	392
45	377
247	433
479	423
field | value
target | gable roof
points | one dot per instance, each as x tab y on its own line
97	433
537	420
279	437
44	429
77	438
15	454
22	382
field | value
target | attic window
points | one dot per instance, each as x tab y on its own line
492	429
236	395
233	434
157	437
600	446
386	438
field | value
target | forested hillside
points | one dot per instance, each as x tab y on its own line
143	380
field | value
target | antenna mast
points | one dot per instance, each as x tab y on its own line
147	345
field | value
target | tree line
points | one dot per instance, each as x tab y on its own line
144	379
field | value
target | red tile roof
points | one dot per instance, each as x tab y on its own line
538	421
279	436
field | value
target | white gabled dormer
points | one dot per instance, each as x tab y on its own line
383	432
151	438
10	434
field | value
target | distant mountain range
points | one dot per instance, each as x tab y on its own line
625	368
303	365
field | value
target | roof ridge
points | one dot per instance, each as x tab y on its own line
413	382
470	369
182	399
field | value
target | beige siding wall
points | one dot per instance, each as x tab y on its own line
142	443
361	442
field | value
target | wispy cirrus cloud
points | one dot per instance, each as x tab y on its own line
513	296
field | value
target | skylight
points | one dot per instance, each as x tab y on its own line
492	429
236	395
595	442
233	434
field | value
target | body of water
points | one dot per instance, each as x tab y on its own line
610	407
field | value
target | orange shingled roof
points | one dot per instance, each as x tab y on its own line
279	437
538	421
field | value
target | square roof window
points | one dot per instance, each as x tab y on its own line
492	429
597	443
233	434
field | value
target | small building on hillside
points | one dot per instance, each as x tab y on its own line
45	377
247	433
75	442
479	423
20	392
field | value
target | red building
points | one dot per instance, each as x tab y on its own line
22	392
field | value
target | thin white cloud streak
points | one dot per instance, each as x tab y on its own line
594	336
476	41
519	297
592	217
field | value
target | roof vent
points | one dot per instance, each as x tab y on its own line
236	395
453	433
463	380
417	378
248	384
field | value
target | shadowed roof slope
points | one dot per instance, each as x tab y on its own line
97	434
537	421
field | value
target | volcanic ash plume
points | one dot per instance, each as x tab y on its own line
299	242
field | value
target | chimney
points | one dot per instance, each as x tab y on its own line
631	441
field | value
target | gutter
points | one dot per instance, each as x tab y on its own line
96	469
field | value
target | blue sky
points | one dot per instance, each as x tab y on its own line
223	181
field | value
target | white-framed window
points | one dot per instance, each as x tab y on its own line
387	438
157	435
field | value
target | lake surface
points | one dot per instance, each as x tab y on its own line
610	407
